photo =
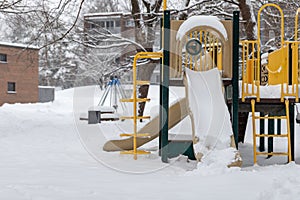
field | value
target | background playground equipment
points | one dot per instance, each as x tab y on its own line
113	93
108	108
223	51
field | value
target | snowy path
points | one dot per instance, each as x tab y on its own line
42	158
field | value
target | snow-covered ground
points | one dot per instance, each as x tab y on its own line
47	153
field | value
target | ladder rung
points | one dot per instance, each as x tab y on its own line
272	117
273	153
137	117
266	135
139	82
137	100
137	135
137	152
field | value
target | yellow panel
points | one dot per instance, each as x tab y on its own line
277	66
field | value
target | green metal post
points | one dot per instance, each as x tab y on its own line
278	126
262	131
160	86
292	129
270	132
164	104
235	76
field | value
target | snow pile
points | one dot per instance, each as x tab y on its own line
195	21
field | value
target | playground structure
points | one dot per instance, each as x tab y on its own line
200	44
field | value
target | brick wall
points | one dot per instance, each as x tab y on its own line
21	68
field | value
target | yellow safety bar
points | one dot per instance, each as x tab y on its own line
136	100
287	135
282	21
258	31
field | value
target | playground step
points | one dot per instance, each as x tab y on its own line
138	100
139	82
137	152
137	117
270	117
137	135
273	153
271	135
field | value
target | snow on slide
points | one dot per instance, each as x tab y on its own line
209	113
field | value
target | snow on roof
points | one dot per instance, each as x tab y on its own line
106	14
18	45
195	21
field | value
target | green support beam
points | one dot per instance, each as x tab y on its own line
271	131
292	129
262	131
235	76
164	88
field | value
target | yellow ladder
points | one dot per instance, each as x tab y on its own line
255	134
136	100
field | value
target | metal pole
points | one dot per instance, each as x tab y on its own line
164	106
160	86
235	76
292	129
262	131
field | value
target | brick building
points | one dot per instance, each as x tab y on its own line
18	73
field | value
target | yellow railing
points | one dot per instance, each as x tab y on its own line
293	89
278	62
250	70
135	100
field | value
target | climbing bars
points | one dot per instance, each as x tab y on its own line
136	100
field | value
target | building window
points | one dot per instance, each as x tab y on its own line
109	24
117	23
129	23
11	87
3	57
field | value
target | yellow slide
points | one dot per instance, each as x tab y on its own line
177	112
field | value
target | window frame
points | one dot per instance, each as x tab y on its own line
3	55
12	90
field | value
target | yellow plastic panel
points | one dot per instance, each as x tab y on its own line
277	66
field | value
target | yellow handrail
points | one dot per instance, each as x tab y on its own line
258	28
296	24
282	20
165	5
